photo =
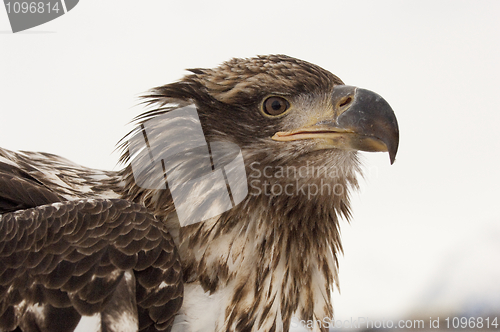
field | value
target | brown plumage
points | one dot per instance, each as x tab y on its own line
250	268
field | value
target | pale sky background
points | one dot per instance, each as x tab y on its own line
70	87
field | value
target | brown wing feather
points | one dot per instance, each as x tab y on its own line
19	191
82	257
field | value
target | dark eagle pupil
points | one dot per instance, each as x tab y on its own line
276	105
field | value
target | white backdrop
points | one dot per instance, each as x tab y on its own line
426	224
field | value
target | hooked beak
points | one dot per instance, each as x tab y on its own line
363	121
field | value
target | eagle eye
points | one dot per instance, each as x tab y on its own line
275	106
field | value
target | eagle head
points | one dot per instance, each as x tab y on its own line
261	102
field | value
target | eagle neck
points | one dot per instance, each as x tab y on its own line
276	264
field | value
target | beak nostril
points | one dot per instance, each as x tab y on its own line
343	98
345	101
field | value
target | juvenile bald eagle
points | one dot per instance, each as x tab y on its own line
76	241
